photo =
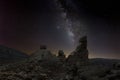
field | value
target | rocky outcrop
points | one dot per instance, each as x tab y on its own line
43	47
43	65
61	55
45	57
43	54
80	54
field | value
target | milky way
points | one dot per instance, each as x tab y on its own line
75	27
99	20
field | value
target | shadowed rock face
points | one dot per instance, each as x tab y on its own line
61	55
44	55
81	52
43	47
82	44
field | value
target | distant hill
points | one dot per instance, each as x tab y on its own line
11	55
105	62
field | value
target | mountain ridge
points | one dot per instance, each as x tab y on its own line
10	55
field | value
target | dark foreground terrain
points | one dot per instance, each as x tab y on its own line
56	70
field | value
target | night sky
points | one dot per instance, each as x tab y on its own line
27	24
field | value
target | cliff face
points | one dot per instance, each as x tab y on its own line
81	52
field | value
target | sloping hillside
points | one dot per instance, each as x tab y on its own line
10	55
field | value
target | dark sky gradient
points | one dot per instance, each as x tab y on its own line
25	24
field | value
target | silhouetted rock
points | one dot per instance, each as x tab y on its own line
82	44
117	66
61	55
80	55
43	47
43	54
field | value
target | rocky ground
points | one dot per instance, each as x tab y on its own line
39	70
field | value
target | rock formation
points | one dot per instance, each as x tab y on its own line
43	65
43	47
81	53
43	54
61	55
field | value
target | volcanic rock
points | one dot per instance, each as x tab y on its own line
80	55
61	55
